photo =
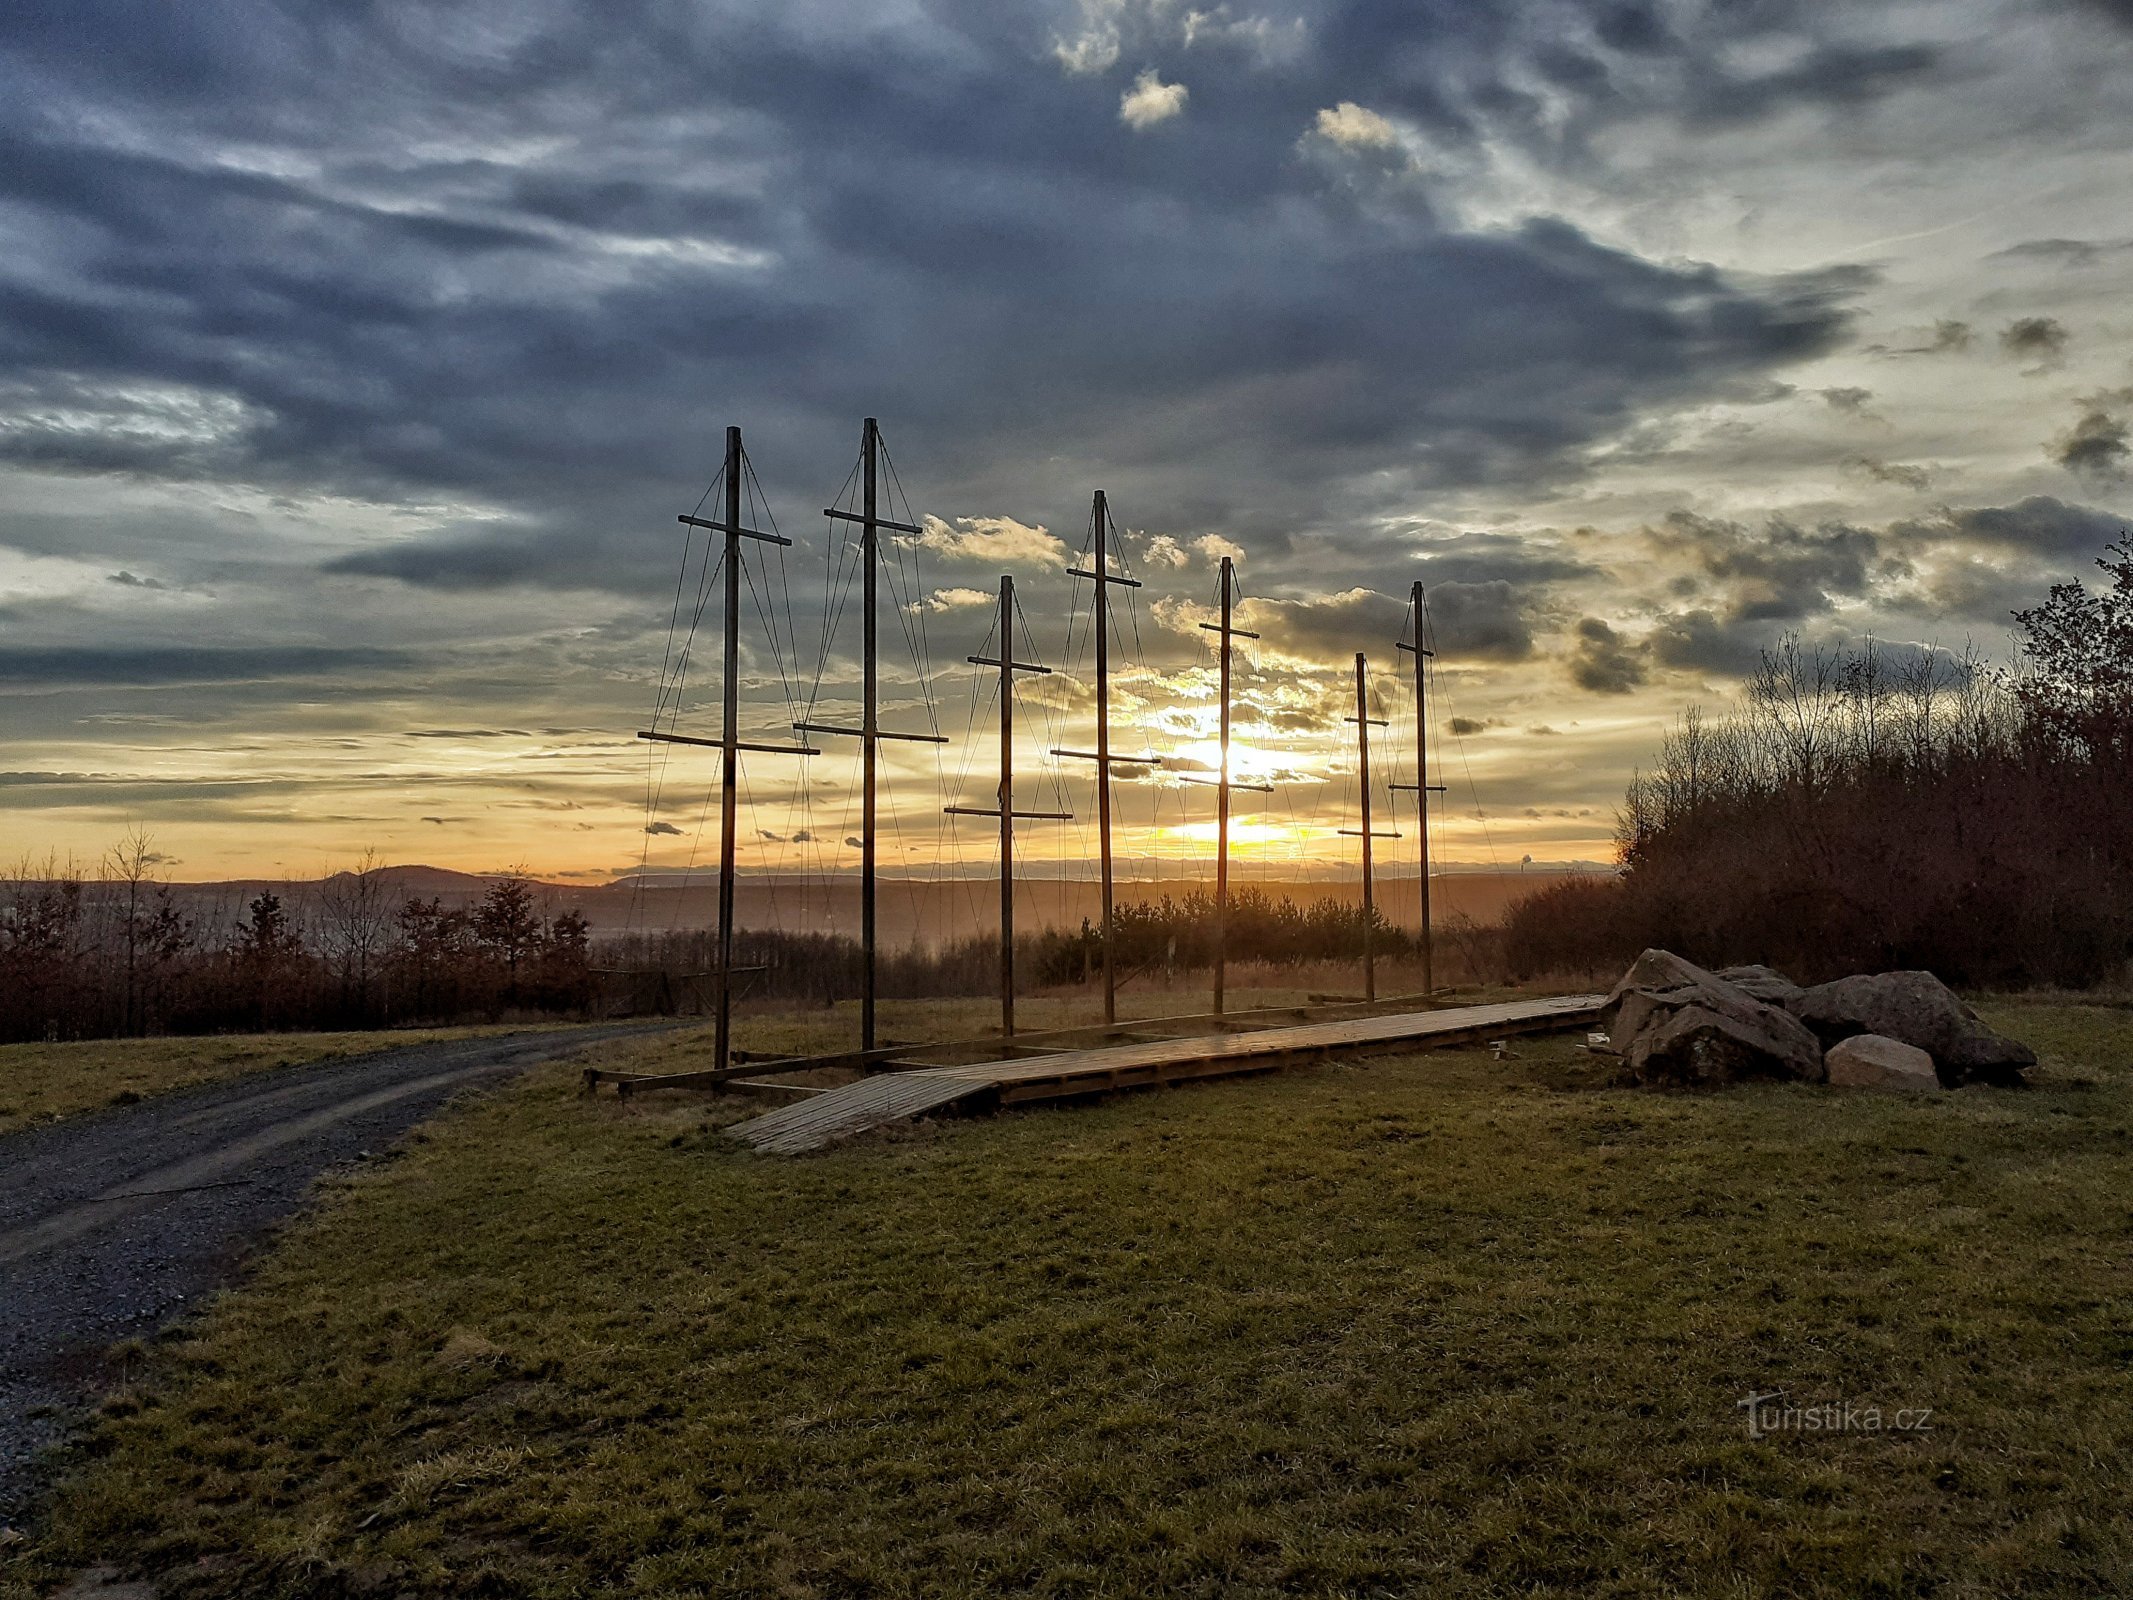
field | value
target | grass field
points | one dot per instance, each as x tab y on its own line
1419	1325
40	1082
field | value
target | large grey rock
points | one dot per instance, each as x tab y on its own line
1920	1010
1764	983
1869	1061
1675	1022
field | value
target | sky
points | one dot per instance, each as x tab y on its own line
356	360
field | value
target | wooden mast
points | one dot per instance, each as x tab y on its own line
869	733
1364	722
1006	811
1422	788
1223	785
1103	577
729	743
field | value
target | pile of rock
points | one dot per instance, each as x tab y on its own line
1674	1022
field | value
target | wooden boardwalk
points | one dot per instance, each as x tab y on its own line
835	1114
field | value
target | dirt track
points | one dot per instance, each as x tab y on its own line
113	1224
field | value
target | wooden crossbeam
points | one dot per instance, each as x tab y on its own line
1103	577
1006	666
871	519
861	733
738	744
734	528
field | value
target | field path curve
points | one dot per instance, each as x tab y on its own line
113	1224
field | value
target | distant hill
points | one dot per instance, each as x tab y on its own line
928	910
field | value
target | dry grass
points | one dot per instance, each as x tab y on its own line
42	1082
1424	1325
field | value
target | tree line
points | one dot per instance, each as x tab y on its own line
1863	809
114	953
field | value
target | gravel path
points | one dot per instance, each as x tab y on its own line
113	1224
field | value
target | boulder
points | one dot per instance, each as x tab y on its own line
1870	1061
1919	1010
1675	1022
1764	983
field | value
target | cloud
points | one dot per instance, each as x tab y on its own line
1162	551
1851	402
1482	621
1896	472
854	842
1324	632
662	827
953	600
1949	337
1212	547
175	666
1150	101
1356	127
2100	442
2039	339
1698	641
993	541
1603	661
1780	572
1466	725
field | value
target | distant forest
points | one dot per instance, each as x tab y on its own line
1863	810
115	953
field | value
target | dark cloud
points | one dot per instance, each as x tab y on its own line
662	827
1780	572
1850	401
1479	621
1897	472
2100	442
1465	725
1949	337
537	273
2037	526
173	666
1697	641
1603	661
2039	339
2065	252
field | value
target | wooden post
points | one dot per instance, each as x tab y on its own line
869	741
1363	721
1006	811
1362	740
729	743
1103	750
869	732
1100	573
729	763
1007	807
1222	808
1422	787
1223	783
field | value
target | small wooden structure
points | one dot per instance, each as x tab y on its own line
825	1117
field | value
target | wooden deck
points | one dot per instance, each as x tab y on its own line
839	1113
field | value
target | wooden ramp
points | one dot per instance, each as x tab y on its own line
839	1113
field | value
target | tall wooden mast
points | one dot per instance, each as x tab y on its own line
869	732
1223	783
1100	572
1364	722
1422	788
1006	811
729	744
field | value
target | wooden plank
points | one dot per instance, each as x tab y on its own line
875	1101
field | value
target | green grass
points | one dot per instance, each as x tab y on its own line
1418	1325
42	1082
